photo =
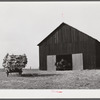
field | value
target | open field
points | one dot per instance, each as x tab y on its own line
35	79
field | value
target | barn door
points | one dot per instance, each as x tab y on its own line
51	60
77	61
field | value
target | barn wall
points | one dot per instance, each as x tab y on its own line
97	55
42	57
67	40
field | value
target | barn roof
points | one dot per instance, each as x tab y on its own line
60	27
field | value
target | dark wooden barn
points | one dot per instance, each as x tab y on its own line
78	49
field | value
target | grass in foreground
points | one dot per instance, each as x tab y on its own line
35	79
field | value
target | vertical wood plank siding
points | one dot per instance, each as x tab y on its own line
97	54
68	40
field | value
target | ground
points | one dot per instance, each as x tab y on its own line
35	79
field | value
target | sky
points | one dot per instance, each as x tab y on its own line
25	24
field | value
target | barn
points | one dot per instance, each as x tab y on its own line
78	50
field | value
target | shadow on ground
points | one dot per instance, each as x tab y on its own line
38	75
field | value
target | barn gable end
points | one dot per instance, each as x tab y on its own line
66	40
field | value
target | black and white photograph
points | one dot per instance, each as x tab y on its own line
49	45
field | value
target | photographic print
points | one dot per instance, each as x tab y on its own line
49	45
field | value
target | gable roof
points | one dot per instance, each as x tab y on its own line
60	27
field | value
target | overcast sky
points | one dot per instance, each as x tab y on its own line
24	24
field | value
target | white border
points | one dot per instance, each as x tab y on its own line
49	94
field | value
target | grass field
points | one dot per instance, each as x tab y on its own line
35	79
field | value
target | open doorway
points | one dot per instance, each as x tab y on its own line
64	62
